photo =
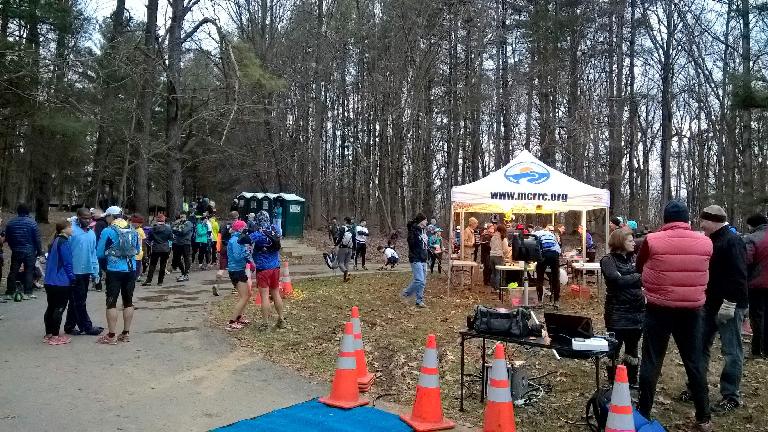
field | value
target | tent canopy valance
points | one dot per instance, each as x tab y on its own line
527	185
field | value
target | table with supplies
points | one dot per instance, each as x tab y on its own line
562	351
581	268
514	267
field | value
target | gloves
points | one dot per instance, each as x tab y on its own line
726	312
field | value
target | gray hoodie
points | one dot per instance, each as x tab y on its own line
182	233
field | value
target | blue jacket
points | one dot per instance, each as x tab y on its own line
108	237
58	269
83	245
23	235
238	254
264	260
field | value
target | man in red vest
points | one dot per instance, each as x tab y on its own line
674	262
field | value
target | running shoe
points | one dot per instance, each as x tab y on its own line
123	337
180	279
106	340
94	331
421	305
59	340
726	406
280	323
215	290
234	326
47	338
244	321
147	283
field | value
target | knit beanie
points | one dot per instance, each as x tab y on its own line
676	211
714	213
616	221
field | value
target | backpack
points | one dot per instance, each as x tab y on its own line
201	230
274	241
346	238
597	409
125	246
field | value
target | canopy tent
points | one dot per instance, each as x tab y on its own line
527	185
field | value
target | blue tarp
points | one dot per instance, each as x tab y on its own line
312	416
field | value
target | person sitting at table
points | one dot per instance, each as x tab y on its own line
500	251
591	252
550	258
468	240
624	300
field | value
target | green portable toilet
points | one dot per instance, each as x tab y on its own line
294	211
263	201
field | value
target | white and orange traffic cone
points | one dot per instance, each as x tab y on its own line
499	413
344	391
427	414
364	378
286	287
620	418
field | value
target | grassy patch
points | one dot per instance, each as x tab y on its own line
394	336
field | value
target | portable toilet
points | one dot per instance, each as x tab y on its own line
264	202
294	212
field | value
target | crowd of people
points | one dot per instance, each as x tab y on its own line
691	286
110	251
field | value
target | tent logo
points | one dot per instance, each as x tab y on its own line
530	172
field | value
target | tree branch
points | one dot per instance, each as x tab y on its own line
197	26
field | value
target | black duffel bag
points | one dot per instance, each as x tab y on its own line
514	323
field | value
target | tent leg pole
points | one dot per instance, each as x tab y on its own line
584	235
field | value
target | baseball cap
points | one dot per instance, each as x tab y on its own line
113	211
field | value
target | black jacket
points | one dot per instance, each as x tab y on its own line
161	236
624	298
417	245
99	226
727	270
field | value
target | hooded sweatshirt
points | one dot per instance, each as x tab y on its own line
83	245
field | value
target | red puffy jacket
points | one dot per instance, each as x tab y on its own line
675	265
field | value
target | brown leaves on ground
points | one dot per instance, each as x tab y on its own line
394	335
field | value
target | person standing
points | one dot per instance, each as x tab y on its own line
468	240
266	258
99	223
85	267
119	244
23	237
137	222
550	259
499	250
624	300
417	255
345	242
757	272
361	237
225	232
182	246
58	283
726	304
162	236
238	257
215	231
674	263
435	248
202	241
277	220
333	230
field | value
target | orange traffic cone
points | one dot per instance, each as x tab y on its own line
344	391
499	413
364	378
620	417
257	296
286	287
427	414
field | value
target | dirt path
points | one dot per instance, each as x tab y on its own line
177	373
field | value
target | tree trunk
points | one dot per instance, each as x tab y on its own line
750	200
616	109
319	123
173	109
666	107
632	137
143	125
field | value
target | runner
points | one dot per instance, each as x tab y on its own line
266	257
162	236
361	236
225	234
58	282
86	268
119	244
182	246
203	241
23	238
345	243
238	257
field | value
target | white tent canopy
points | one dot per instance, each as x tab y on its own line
526	185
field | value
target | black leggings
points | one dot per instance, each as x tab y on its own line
58	296
551	260
435	258
361	249
181	258
630	338
163	258
204	253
